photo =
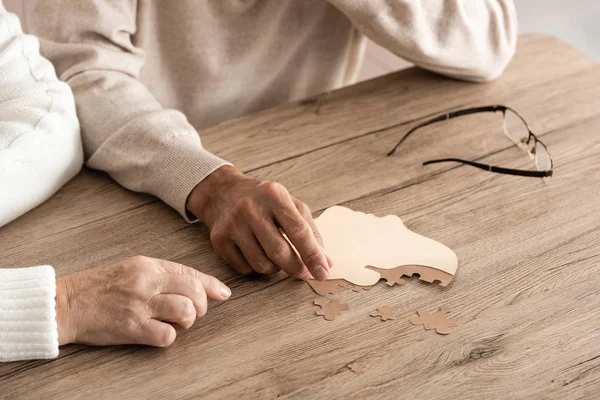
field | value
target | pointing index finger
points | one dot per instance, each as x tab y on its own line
215	289
305	211
302	237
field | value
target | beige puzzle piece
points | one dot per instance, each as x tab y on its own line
356	368
385	313
436	320
355	241
328	286
330	309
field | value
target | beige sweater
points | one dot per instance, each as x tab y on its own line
141	69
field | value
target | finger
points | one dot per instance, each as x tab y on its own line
234	257
229	252
254	253
213	288
155	333
186	286
279	250
173	308
301	235
307	215
329	259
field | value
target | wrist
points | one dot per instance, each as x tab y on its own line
63	312
202	198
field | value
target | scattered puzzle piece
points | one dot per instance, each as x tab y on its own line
356	368
330	309
324	288
385	313
436	320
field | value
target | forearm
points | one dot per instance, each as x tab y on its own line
40	146
126	132
28	328
141	145
31	172
465	39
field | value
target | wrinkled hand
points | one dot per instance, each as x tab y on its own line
246	218
136	301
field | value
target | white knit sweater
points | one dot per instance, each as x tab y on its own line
27	316
40	150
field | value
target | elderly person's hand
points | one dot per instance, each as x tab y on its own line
246	218
136	301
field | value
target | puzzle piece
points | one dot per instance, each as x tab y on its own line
330	309
436	320
324	288
356	368
355	240
385	313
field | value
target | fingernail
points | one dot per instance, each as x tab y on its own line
320	273
225	291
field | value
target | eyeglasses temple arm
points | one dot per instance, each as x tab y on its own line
491	168
447	116
431	121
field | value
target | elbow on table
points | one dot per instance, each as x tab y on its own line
472	62
489	67
489	63
490	56
71	153
38	164
69	150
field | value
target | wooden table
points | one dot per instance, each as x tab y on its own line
526	295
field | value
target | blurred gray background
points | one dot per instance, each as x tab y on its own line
575	21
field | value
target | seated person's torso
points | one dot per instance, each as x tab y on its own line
218	60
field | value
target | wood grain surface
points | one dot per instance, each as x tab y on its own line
526	295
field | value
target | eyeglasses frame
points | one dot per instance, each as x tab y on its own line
524	144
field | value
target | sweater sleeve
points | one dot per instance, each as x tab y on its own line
28	328
40	146
125	130
465	39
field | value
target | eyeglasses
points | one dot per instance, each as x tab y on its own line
515	128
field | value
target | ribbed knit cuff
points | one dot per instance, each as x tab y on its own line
178	169
28	327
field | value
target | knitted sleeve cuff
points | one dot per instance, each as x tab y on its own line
178	169
28	327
